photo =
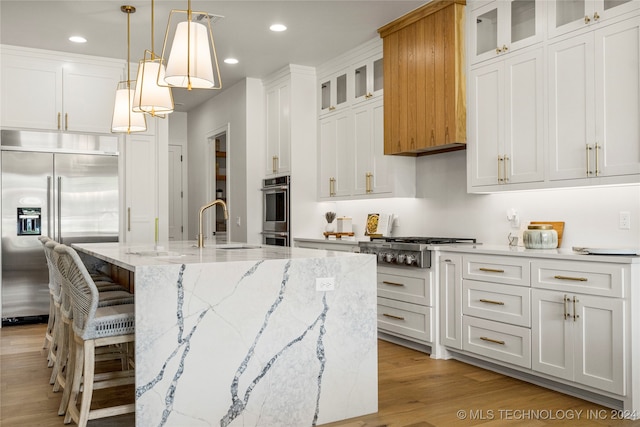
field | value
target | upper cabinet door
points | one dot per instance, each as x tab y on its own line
566	16
501	27
368	79
333	92
25	80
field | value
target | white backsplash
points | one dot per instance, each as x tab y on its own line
443	208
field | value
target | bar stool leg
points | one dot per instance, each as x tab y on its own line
77	378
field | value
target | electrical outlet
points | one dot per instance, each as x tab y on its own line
625	221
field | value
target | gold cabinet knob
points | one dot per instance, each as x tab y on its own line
587	19
596	16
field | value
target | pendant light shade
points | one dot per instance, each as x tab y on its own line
124	118
149	97
192	62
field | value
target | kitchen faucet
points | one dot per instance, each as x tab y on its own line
202	209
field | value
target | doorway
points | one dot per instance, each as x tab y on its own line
219	181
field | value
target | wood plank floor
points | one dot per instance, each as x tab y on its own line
414	391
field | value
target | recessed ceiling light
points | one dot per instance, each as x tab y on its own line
231	61
278	27
77	39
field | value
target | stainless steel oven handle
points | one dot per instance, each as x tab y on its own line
280	188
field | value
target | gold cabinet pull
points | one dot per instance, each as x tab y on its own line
575	311
565	300
596	16
491	270
332	108
500	169
587	19
332	186
504	168
66	121
577	279
392	283
488	301
597	148
59	120
274	164
369	188
128	219
588	159
492	340
393	316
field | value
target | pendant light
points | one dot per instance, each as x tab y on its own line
149	97
192	62
124	119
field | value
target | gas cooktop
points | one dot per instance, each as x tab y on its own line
424	240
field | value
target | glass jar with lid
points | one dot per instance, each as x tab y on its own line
540	236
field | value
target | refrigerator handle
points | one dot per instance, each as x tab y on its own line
59	209
49	231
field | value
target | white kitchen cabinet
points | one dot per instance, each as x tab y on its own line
594	93
278	107
566	16
406	304
371	165
450	281
580	338
47	91
333	92
145	183
334	154
506	126
502	27
368	78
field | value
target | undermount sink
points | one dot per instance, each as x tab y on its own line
237	246
158	254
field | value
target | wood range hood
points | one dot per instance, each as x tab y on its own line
424	80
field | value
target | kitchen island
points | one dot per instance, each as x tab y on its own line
250	335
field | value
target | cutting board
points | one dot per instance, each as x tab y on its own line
557	225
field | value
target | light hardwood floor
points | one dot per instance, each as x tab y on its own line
414	391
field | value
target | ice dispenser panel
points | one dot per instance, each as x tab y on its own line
29	221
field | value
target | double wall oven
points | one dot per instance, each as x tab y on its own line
276	221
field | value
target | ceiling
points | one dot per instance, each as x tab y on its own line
317	31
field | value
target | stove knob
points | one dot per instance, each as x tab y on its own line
380	256
411	259
389	257
401	258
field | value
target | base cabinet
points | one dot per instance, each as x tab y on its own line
580	338
569	321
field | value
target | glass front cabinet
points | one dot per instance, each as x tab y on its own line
502	26
569	15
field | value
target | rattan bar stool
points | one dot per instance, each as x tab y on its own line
65	348
93	327
48	335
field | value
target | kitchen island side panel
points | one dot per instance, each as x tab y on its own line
256	343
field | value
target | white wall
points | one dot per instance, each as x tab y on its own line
443	208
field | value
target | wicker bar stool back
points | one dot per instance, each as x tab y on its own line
48	335
94	326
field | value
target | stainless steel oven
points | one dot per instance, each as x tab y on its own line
276	219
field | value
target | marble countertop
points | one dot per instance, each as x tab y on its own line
559	253
130	256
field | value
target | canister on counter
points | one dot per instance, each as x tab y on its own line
540	236
344	225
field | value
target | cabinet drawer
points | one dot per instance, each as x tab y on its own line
507	343
502	303
591	278
409	320
413	287
496	269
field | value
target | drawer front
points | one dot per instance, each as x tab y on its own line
404	319
413	288
496	269
501	303
506	343
591	278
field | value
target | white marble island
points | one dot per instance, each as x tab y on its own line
230	335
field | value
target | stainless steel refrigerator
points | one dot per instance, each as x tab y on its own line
66	195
